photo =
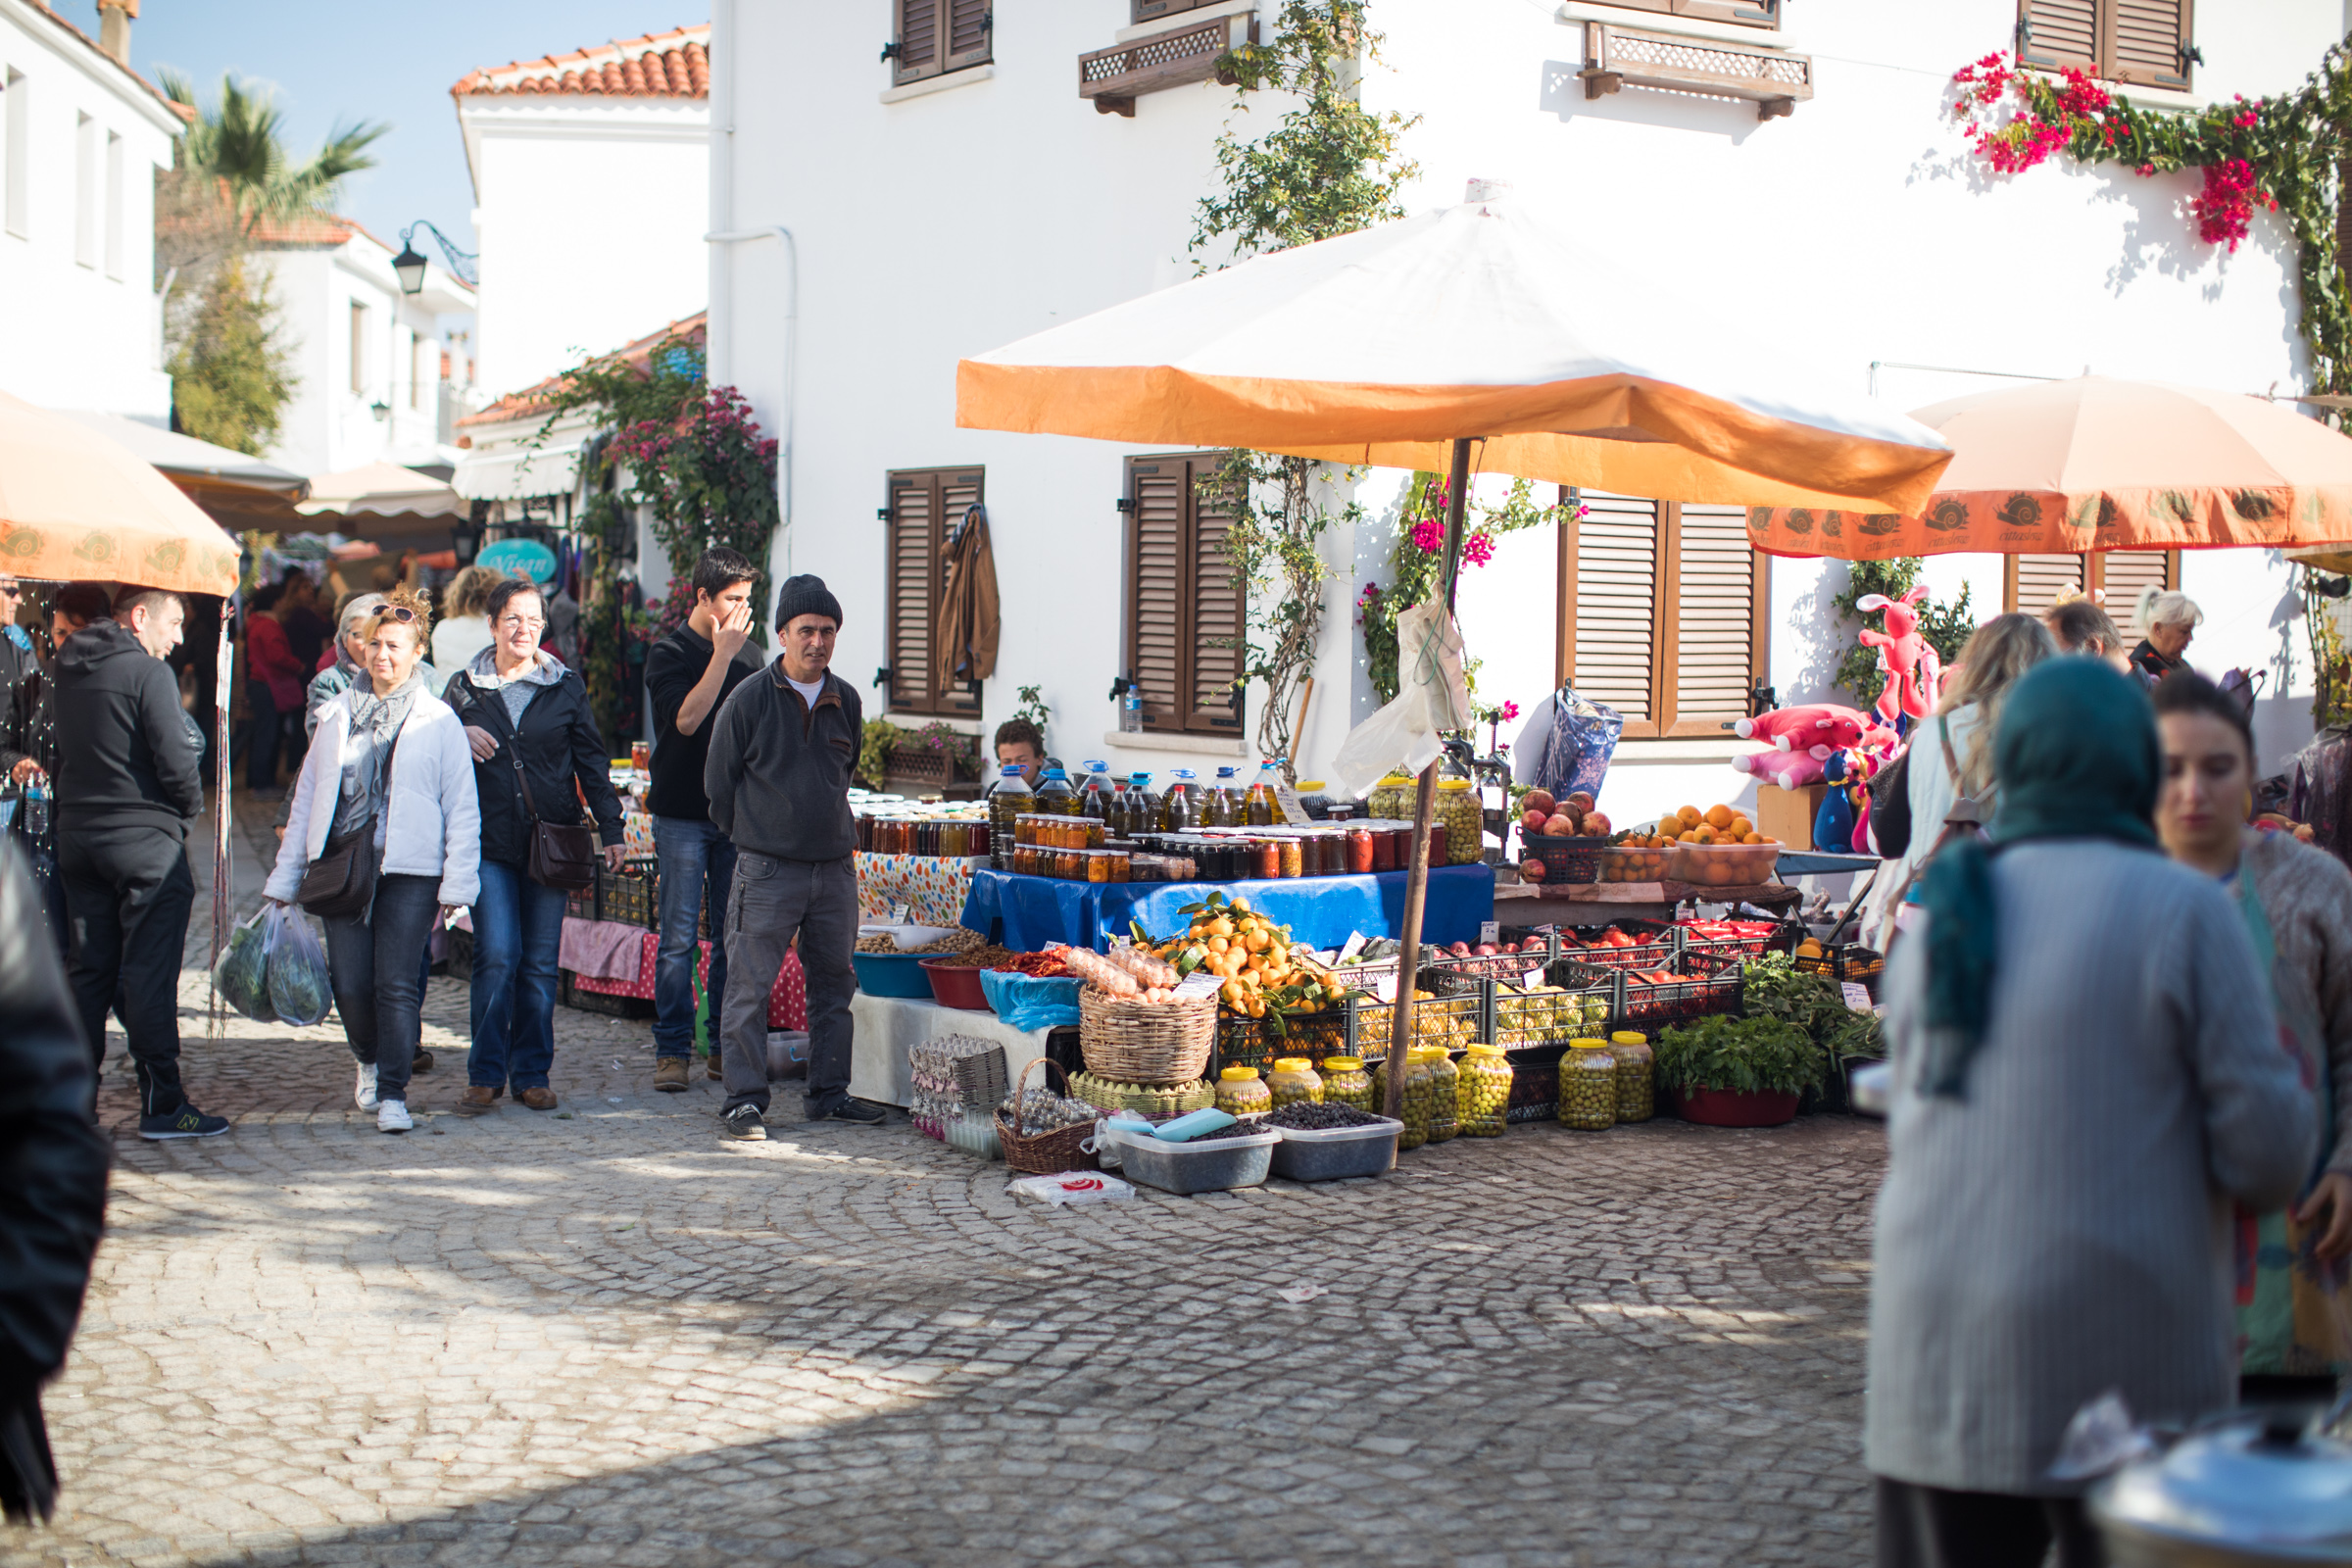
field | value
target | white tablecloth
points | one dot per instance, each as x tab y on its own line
887	1025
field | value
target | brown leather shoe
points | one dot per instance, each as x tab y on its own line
536	1099
669	1075
476	1099
717	1068
422	1064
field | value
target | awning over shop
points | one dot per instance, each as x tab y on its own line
381	489
518	472
192	464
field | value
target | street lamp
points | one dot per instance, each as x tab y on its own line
409	265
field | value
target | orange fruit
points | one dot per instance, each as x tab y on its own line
1690	815
1751	837
1718	816
1740	826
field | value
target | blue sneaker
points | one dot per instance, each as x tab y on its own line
185	1122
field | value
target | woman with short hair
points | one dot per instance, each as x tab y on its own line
536	753
464	628
390	761
2170	620
2080	626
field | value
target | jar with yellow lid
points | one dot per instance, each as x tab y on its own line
1346	1083
1392	798
1294	1080
1464	819
1484	1097
1240	1094
1444	1094
1418	1095
1588	1086
1637	1077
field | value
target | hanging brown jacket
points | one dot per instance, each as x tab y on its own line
966	649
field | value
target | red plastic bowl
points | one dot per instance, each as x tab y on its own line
956	985
1738	1108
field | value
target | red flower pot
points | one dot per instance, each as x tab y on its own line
1738	1108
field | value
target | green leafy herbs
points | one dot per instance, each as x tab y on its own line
1860	1037
1775	988
1746	1054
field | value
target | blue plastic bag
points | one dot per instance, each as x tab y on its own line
1031	1001
1583	737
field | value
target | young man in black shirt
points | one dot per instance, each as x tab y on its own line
687	677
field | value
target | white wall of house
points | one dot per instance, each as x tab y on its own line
80	139
589	214
1856	230
357	344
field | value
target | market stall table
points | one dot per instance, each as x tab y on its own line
1026	912
887	1026
1599	903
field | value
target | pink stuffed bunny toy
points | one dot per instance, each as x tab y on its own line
1791	771
1815	727
1914	670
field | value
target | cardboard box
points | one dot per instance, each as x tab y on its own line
1788	814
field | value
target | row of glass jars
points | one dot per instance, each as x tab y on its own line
1073	866
1603	1081
908	835
1058	832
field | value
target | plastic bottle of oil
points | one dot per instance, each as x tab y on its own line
1180	808
1054	797
1260	809
1221	801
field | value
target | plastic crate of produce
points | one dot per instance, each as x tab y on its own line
627	896
1847	961
1454	1010
1217	1166
1693	986
1568	860
1739	939
1336	1154
1637	945
1724	865
581	906
1573	1003
1621	862
1508	965
1245	1042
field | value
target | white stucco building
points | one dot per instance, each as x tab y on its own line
966	194
81	136
590	191
380	375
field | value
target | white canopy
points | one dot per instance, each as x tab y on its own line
383	488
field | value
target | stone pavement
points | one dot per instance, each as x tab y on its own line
604	1336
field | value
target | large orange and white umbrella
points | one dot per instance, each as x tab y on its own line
74	503
2095	464
1471	323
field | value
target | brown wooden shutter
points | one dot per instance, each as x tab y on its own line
922	504
919	41
2125	572
2147	42
2054	33
968	31
2032	584
1158	488
1217	612
1617	607
1715	653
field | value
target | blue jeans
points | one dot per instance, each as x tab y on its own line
691	854
376	989
517	936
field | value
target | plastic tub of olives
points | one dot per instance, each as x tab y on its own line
1216	1167
1333	1154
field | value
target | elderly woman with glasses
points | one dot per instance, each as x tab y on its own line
537	752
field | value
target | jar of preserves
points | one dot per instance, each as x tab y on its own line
1268	859
1240	1094
1636	1078
1465	823
1359	850
1122	864
1484	1097
1440	844
1293	855
1384	849
1588	1086
1346	1083
1416	1100
1292	1080
1097	865
1444	1094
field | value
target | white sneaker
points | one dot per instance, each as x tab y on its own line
392	1116
363	1093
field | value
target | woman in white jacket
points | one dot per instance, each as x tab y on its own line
386	753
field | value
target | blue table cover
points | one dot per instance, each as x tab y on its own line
1026	912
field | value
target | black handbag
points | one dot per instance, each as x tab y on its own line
341	882
563	855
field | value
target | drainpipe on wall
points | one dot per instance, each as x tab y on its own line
114	28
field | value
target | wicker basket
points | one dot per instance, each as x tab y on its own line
1146	1041
1046	1153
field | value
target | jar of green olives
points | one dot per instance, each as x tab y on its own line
1294	1079
1240	1094
1444	1094
1346	1083
1637	1082
1484	1097
1588	1086
1465	821
1392	798
1418	1098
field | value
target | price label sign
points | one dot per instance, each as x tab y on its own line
1857	995
1490	931
1294	813
1198	985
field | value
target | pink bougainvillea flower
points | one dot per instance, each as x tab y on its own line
1430	535
1510	711
1479	548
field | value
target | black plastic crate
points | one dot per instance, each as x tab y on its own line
1742	945
1260	1042
1458	1010
572	996
629	896
1576	1002
581	906
1702	984
1654	946
1534	1084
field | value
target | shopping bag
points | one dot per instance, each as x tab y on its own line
241	972
1031	1001
300	988
1583	738
1432	702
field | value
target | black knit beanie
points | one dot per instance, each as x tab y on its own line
805	596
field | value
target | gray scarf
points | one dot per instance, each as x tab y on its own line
376	723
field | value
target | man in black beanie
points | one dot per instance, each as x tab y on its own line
778	777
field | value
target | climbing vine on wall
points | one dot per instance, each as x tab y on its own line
2286	153
1419	555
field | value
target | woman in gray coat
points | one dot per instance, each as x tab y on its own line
2086	1072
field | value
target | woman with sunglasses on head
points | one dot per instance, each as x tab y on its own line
389	760
537	752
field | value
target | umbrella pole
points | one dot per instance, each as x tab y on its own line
1425	805
222	657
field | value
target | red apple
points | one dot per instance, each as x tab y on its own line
1537	800
1533	822
1531	870
1561	826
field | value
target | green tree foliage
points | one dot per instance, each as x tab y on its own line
1946	627
229	382
237	143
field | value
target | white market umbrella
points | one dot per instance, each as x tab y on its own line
384	489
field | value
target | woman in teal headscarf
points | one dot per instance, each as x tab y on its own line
2086	1071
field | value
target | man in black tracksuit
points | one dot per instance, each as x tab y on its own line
128	784
778	778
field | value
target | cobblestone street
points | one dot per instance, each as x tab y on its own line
604	1336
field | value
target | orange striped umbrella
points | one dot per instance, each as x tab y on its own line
75	503
2097	464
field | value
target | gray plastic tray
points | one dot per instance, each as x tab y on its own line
1330	1153
1211	1168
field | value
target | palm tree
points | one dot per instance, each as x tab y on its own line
237	145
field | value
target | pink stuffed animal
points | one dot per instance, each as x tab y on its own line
1914	670
1815	727
1791	771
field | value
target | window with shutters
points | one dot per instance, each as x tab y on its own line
2144	44
1746	13
1663	612
2031	584
922	506
937	36
1184	603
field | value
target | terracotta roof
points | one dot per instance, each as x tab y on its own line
310	229
534	399
661	65
186	114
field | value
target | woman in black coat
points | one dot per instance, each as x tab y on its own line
534	740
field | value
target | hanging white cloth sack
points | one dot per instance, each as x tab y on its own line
1407	735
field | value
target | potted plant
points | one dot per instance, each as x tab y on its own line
1738	1072
877	745
1855	1041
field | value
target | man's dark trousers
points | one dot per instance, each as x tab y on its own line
128	897
773	901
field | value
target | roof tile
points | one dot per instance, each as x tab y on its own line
533	399
663	64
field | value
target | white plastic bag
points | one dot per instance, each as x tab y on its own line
1406	736
300	988
1070	1186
